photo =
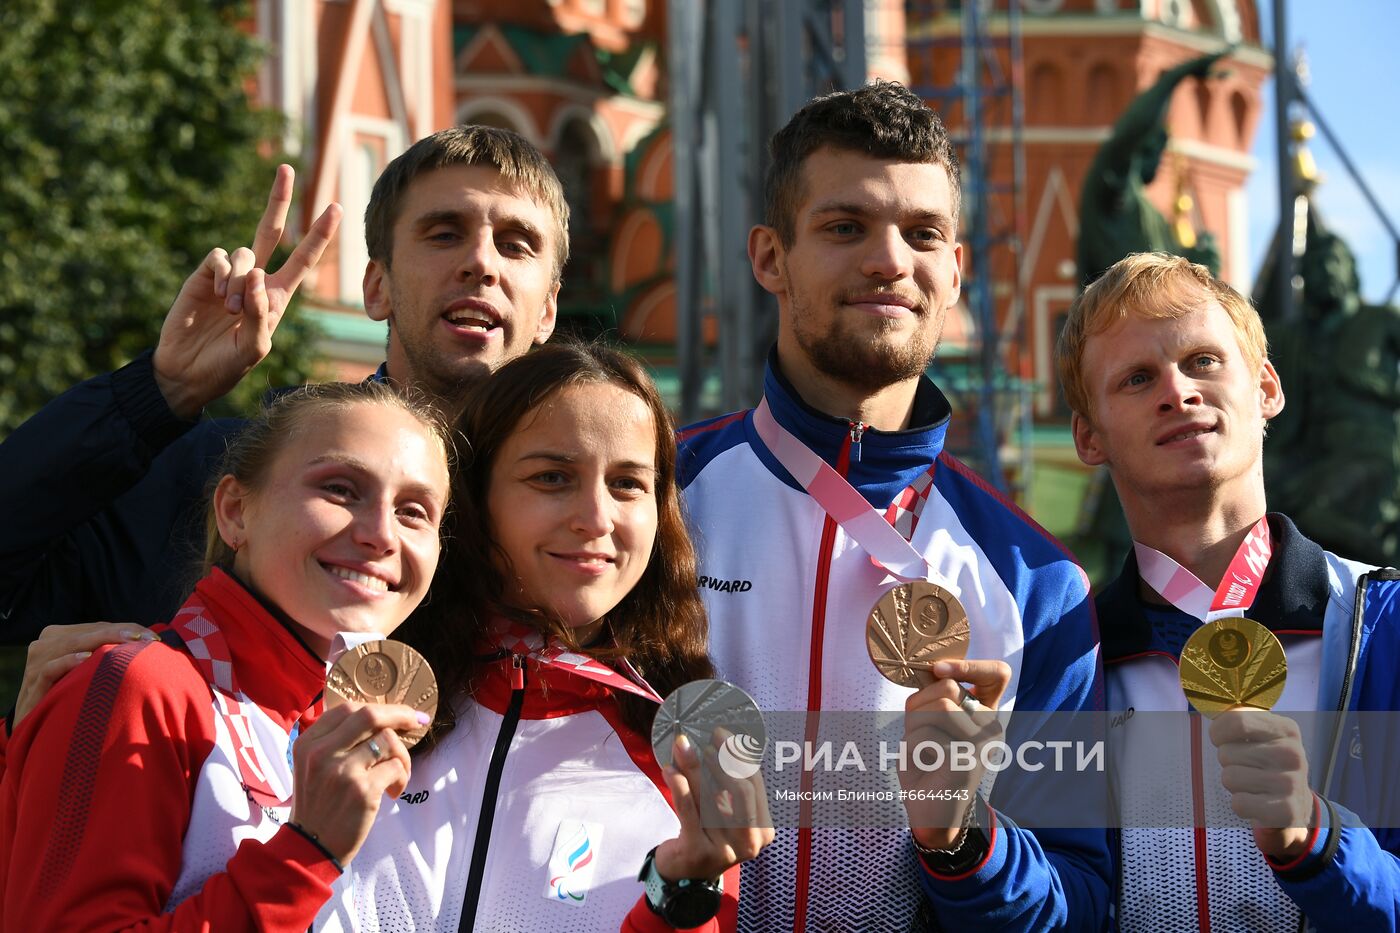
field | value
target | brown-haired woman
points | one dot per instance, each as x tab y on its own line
565	605
152	786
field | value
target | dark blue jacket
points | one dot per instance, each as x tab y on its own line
103	496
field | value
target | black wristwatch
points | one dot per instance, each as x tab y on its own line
968	849
682	904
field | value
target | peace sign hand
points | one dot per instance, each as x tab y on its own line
221	323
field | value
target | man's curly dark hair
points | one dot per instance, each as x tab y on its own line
884	120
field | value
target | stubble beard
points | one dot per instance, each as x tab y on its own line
867	362
446	378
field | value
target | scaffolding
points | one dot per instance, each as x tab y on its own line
974	78
738	71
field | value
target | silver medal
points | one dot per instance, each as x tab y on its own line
696	709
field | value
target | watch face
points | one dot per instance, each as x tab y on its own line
690	906
681	904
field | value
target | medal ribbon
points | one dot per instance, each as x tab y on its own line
206	645
521	639
1184	590
844	503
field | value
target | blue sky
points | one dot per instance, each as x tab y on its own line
1352	47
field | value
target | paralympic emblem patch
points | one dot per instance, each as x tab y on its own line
572	861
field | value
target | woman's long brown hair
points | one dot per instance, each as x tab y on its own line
659	627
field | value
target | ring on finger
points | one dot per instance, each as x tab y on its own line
374	749
969	703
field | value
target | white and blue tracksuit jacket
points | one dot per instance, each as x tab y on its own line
1339	623
788	594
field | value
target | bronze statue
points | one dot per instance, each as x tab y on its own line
1332	457
1115	219
1115	216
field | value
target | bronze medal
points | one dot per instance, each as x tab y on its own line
911	627
385	672
1232	662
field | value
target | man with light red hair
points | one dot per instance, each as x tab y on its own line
1240	823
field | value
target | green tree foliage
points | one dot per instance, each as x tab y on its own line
128	149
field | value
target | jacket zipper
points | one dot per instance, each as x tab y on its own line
490	792
1353	650
1343	701
814	687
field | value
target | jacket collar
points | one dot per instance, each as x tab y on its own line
886	461
550	691
1292	598
275	669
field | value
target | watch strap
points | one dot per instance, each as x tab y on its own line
680	903
969	848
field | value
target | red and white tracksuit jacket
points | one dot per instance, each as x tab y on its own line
534	813
122	804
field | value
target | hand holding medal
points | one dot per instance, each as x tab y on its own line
710	738
1233	670
926	647
385	671
380	699
917	636
701	708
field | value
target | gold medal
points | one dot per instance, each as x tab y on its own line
911	627
385	672
1232	662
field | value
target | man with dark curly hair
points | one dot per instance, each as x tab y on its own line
860	249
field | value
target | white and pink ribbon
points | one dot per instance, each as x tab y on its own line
521	639
844	503
1237	589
